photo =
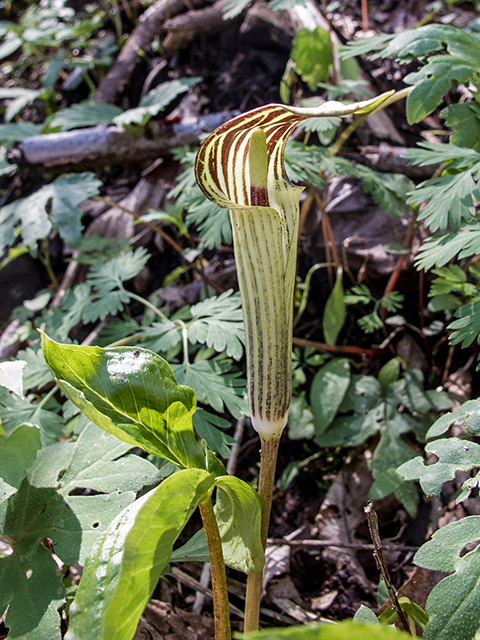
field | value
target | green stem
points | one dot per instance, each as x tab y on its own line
268	463
217	566
45	260
148	304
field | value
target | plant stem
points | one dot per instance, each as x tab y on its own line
268	463
219	578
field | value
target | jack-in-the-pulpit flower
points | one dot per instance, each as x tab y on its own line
240	166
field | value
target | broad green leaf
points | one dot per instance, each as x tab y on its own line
442	551
214	385
101	571
389	373
346	630
147	549
433	81
11	376
300	419
43	591
96	461
364	614
327	391
238	513
468	415
83	115
18	453
453	455
335	311
312	56
460	617
130	393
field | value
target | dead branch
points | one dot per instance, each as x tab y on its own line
183	29
111	145
149	26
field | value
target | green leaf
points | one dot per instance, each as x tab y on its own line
467	328
346	630
453	455
464	119
327	391
155	101
96	461
335	311
18	453
130	565
68	191
238	512
43	591
30	215
218	323
83	115
212	222
468	415
459	618
36	374
364	614
300	419
72	523
433	81
206	425
312	56
16	410
214	385
130	393
11	376
389	373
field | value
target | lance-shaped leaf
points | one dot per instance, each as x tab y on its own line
130	393
240	167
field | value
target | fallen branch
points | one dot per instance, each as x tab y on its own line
110	144
149	26
183	29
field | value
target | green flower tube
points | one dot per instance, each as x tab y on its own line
240	166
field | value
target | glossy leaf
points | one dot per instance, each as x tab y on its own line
130	561
238	513
130	393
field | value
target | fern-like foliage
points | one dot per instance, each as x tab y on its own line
211	221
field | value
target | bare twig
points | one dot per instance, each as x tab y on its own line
274	542
372	520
